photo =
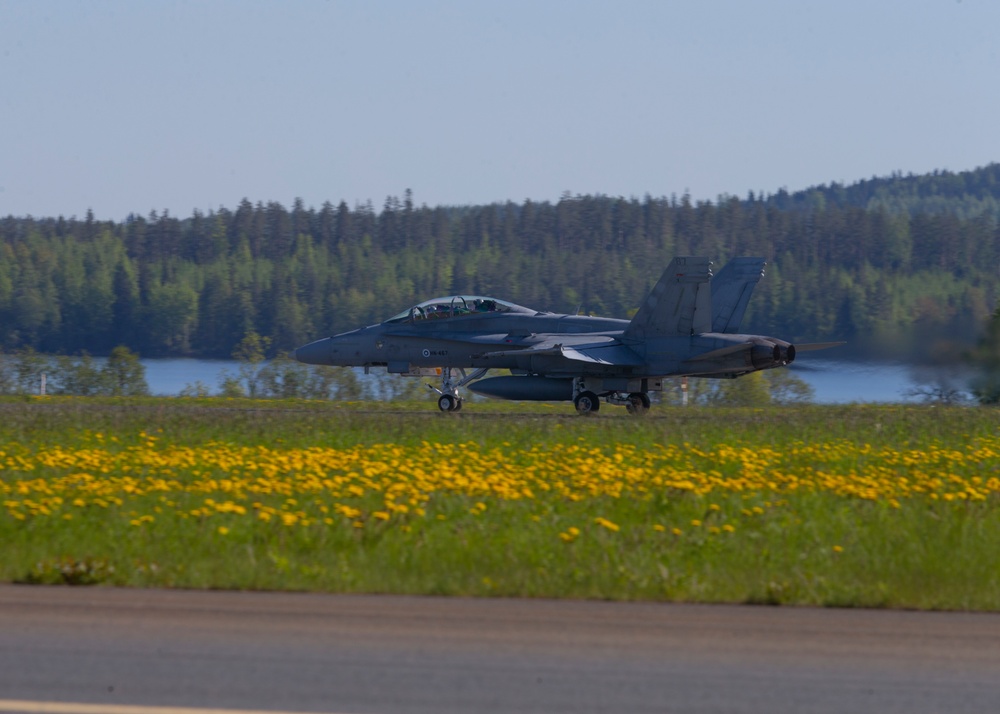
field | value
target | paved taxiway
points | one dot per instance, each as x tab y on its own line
334	653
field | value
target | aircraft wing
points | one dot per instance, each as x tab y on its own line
617	355
607	353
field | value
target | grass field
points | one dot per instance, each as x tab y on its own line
869	506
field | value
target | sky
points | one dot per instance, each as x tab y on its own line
128	107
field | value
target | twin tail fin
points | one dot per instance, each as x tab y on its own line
731	291
680	303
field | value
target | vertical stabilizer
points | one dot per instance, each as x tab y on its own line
680	304
731	291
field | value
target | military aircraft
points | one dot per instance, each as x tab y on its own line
687	326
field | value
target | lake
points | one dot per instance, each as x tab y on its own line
834	382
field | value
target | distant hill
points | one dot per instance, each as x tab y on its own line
966	194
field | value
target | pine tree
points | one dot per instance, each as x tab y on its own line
124	374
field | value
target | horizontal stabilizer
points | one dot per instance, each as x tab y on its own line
813	346
725	351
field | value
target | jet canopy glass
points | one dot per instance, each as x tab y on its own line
457	306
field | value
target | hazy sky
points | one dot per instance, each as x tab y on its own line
133	106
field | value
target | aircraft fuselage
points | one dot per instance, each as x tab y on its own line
677	331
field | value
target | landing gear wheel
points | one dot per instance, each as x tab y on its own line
587	403
447	403
638	403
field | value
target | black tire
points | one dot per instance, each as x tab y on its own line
446	403
587	403
638	403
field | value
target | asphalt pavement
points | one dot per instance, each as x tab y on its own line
63	650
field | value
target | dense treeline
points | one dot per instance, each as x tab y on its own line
842	261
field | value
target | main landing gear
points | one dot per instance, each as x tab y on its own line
637	403
449	401
588	402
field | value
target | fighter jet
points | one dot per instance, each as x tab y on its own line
687	326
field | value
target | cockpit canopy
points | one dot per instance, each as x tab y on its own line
456	306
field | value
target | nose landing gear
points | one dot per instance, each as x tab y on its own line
449	401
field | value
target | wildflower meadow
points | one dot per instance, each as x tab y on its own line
873	506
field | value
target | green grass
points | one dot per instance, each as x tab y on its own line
804	548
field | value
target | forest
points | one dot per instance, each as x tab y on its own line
902	264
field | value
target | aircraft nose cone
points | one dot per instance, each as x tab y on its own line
317	352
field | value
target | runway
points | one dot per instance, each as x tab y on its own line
165	652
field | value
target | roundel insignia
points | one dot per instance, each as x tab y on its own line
426	353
